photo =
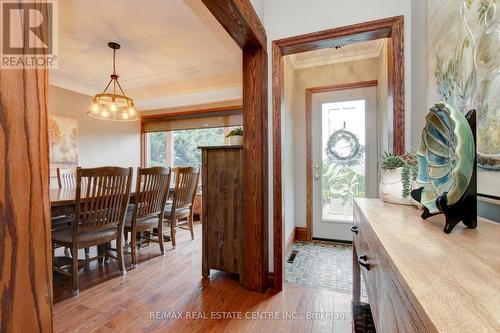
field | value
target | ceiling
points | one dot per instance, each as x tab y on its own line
173	52
346	53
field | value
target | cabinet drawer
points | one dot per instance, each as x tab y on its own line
389	310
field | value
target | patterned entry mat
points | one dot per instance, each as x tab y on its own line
322	265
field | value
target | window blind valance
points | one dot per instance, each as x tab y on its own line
192	120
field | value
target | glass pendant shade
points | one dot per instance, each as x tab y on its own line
114	105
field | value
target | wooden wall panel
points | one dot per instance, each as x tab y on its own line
25	247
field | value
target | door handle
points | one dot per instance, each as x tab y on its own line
363	262
355	229
316	177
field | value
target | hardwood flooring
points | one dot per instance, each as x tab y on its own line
150	297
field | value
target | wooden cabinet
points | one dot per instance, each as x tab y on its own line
420	279
222	201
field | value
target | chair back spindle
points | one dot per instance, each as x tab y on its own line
152	189
186	183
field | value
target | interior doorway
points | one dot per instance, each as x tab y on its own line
344	156
390	28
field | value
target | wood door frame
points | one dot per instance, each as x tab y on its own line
392	28
309	138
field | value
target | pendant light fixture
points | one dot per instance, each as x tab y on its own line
113	105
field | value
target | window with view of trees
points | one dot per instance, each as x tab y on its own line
183	146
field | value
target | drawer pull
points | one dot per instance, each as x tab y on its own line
355	229
363	262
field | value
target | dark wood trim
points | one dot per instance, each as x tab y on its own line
309	162
278	81
301	234
242	23
194	113
392	28
270	280
25	225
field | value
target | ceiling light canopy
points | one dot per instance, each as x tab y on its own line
116	105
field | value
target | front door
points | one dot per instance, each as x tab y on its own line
344	146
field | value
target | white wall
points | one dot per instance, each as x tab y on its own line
419	105
286	18
100	142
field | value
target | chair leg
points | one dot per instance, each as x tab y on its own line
87	252
172	232
133	248
67	251
119	252
160	238
125	235
100	251
76	289
190	224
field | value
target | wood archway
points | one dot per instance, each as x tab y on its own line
392	28
25	248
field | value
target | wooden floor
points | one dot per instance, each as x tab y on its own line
148	298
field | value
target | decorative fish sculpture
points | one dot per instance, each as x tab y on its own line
445	157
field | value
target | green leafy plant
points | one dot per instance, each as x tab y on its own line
408	163
235	132
391	161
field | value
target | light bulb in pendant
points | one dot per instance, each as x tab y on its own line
113	107
131	111
125	116
95	107
105	114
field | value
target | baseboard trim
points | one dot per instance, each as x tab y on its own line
300	234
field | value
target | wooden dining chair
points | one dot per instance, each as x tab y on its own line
100	209
152	188
179	212
66	177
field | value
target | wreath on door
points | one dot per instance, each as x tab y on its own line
343	147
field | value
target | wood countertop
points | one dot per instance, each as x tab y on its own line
454	278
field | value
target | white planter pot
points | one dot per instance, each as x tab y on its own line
236	140
391	188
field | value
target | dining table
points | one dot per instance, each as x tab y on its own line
62	200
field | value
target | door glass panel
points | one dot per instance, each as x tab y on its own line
343	157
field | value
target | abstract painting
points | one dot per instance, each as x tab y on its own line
63	144
464	71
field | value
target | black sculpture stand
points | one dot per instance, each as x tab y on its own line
465	209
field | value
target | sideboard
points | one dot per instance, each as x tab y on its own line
418	278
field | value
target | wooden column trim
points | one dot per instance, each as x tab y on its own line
309	161
392	28
278	213
242	23
25	225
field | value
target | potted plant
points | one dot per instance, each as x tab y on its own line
397	178
235	136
